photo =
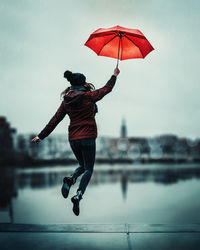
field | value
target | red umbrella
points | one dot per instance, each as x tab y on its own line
119	42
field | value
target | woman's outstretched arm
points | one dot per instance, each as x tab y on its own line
100	93
59	115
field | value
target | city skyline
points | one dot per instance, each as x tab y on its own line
168	148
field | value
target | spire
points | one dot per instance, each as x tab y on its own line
123	129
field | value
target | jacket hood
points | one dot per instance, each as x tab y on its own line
74	97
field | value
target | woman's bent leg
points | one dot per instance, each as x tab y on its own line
88	148
78	171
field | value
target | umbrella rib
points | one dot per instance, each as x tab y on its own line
121	49
135	35
134	44
106	44
100	34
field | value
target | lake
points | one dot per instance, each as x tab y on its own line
119	193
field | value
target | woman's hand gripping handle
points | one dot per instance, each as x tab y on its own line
116	71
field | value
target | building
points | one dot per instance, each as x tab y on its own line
7	140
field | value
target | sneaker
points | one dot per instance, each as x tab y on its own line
67	182
75	200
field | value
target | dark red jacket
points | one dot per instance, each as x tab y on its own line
80	106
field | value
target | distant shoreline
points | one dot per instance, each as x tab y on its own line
51	162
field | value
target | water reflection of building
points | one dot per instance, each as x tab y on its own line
123	148
8	191
124	183
13	180
162	174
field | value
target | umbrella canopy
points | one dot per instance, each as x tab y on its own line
119	42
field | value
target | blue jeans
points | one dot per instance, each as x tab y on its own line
85	151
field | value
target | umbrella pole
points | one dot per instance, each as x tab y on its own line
120	36
117	63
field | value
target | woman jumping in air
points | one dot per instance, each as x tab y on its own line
79	102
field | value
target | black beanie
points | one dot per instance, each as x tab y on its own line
74	78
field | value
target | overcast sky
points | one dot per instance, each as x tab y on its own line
41	39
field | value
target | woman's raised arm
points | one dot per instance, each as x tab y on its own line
100	93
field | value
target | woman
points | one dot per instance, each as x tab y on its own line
79	103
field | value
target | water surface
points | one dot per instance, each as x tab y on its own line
149	193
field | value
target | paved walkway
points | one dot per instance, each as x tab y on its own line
99	236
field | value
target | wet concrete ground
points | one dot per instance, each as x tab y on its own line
97	241
92	237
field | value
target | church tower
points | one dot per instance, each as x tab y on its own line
123	129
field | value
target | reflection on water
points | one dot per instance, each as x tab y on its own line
8	190
156	173
27	187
